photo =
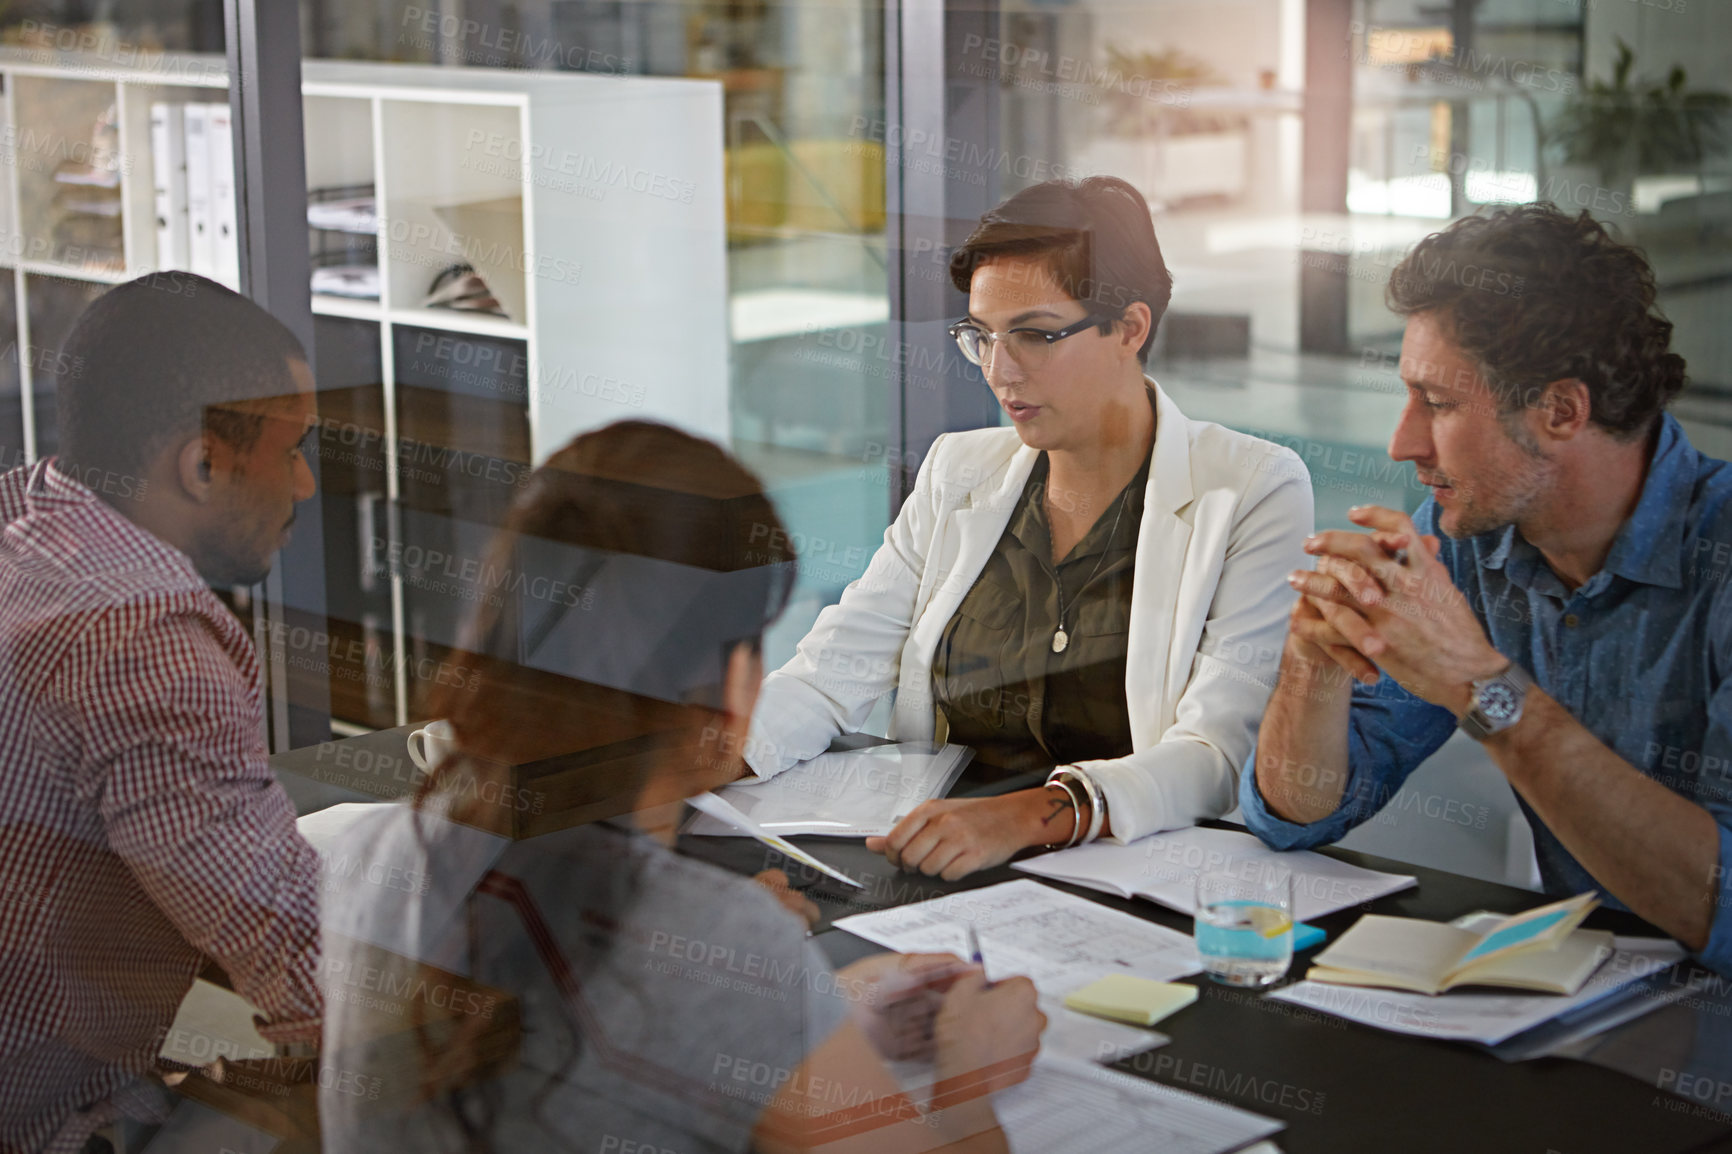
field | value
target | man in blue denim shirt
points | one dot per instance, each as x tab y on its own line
1575	615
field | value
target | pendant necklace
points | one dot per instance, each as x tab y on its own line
1061	639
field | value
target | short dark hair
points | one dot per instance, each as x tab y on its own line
162	357
1533	295
1095	238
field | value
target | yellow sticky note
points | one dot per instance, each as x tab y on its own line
1135	1000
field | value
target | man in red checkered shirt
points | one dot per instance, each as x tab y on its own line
140	827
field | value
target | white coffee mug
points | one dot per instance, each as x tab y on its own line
437	741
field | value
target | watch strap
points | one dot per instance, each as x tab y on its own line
1476	723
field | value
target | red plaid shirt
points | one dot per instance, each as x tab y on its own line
140	826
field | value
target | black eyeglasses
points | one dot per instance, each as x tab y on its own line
1030	346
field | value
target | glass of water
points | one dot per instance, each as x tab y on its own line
1244	925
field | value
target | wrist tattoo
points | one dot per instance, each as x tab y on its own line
1059	805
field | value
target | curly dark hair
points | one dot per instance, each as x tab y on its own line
1534	295
1094	236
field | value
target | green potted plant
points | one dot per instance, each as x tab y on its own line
1629	128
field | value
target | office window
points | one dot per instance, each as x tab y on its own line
554	216
1278	323
1282	221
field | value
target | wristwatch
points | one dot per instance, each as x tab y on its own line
1497	702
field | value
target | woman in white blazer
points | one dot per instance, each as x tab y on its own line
1016	535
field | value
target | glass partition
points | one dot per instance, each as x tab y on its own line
559	216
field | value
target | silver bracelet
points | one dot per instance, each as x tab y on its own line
1097	803
1075	812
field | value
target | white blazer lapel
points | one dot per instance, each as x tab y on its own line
963	547
963	543
1152	669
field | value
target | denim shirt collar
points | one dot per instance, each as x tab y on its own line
1649	547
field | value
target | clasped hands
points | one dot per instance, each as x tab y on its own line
1372	613
1361	608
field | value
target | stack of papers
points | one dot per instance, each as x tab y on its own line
347	280
358	214
1071	1107
1484	1018
858	793
1057	940
1163	868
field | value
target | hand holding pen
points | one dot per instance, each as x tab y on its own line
974	955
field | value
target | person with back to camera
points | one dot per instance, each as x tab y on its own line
1096	589
665	1004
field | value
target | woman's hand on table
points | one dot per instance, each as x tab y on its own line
792	899
952	838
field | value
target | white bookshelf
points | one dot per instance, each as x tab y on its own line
608	248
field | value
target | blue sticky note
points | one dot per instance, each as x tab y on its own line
1306	935
1512	935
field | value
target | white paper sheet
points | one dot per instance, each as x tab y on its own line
1481	1017
1070	1107
358	214
348	280
1058	940
714	805
1163	868
857	793
1072	1034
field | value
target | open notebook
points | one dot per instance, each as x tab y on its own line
1541	950
1163	868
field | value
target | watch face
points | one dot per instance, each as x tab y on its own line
1499	702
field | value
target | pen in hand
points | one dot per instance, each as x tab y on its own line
974	955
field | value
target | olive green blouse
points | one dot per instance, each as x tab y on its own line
997	683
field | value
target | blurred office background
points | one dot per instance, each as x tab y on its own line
527	219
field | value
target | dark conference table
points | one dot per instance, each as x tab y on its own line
1338	1086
